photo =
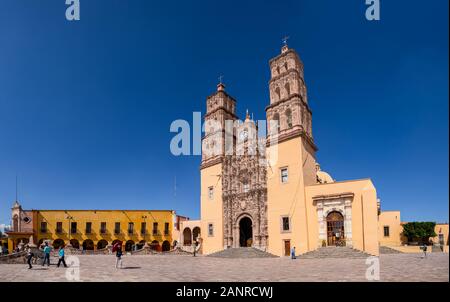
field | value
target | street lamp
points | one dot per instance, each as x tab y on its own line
145	230
70	226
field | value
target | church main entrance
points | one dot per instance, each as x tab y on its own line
335	229
245	232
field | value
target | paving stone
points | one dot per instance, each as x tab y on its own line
393	267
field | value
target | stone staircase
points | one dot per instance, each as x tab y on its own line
388	250
334	252
242	252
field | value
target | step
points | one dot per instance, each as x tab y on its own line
242	252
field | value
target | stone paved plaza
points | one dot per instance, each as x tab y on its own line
394	267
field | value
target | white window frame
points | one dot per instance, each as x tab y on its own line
211	192
282	225
287	175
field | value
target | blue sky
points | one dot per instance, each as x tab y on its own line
85	107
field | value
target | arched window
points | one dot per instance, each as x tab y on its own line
276	118
289	118
287	87
277	94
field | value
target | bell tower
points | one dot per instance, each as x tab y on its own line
290	152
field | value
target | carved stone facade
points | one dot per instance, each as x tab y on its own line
244	188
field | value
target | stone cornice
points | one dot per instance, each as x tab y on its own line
211	162
220	108
289	51
333	196
293	134
288	99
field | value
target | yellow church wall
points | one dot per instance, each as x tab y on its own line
96	217
364	212
286	199
392	220
211	209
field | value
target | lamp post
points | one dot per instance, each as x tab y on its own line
70	226
145	230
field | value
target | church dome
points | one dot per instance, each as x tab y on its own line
322	176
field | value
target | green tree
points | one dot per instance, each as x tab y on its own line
419	231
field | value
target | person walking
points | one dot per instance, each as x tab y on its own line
424	248
30	256
119	257
47	250
293	253
61	254
195	247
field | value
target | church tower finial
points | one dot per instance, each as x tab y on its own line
220	86
285	47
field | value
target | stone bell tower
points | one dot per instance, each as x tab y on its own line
290	152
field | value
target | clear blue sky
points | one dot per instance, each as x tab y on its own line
85	107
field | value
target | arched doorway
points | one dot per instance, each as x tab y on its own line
155	245
196	233
88	245
335	229
102	244
129	245
166	246
245	232
58	243
140	245
74	243
117	241
187	236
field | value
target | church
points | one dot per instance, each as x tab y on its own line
269	192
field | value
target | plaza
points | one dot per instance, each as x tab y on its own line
185	268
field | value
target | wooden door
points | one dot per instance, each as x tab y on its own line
287	247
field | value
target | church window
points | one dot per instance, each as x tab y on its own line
276	118
245	187
288	89
284	175
386	231
210	230
211	192
285	224
277	94
289	118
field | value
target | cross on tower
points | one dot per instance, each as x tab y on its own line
285	39
220	79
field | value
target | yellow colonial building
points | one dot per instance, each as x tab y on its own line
94	229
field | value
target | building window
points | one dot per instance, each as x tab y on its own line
73	228
130	228
210	230
386	231
58	227
245	187
285	224
103	228
284	175
88	227
166	228
155	228
117	228
211	193
43	227
143	227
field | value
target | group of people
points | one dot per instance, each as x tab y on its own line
47	249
